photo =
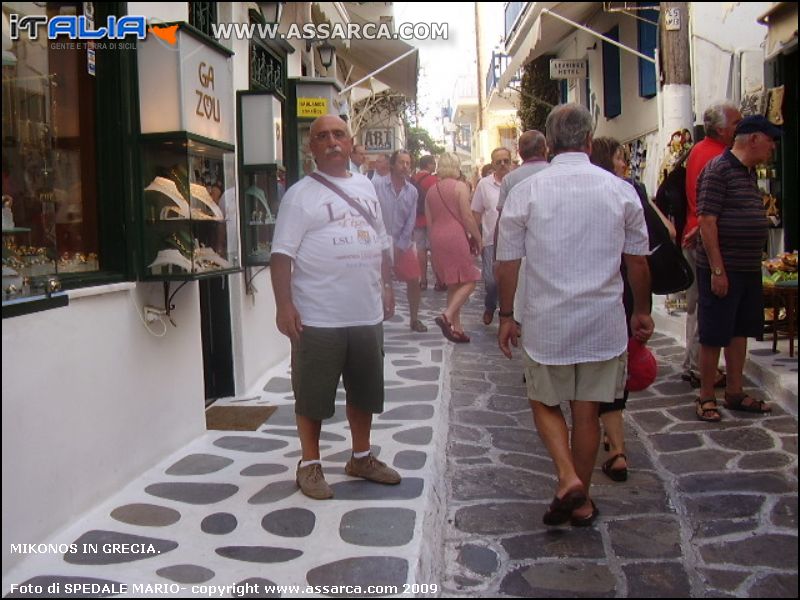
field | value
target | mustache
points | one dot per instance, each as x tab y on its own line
333	150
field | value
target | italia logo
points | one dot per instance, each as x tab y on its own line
77	27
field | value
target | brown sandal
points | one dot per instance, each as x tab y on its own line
418	326
707	410
447	328
744	402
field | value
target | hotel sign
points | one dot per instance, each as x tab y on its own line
571	68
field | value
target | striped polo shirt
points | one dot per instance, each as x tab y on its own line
727	189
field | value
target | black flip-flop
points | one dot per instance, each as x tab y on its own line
588	520
615	474
560	510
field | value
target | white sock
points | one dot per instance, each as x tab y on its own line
305	463
361	454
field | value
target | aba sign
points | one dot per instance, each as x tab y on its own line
378	140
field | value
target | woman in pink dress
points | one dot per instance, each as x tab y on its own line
449	218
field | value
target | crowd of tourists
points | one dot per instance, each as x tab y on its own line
346	234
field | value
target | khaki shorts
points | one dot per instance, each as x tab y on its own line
594	382
323	355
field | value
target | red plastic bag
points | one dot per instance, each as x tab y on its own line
642	366
406	265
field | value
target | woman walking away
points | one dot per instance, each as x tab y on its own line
609	154
449	218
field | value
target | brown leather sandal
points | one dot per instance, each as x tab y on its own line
418	326
447	328
744	402
706	410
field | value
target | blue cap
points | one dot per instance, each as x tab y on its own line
758	124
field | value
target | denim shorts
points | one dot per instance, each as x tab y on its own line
739	314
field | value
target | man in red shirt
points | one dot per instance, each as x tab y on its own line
720	121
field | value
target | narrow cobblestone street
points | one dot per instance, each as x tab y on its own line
709	510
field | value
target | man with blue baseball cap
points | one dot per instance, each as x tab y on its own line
758	124
733	231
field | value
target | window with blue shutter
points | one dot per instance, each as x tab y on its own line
647	41
612	84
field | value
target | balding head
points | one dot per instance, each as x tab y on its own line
330	142
532	144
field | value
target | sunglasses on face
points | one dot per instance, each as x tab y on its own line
336	134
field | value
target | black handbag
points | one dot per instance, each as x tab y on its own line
670	272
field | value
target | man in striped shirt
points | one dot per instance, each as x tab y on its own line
733	231
573	221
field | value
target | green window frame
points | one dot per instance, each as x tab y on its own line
203	15
116	117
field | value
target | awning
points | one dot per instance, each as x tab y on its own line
333	12
541	38
781	20
367	56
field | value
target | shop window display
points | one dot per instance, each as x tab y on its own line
190	210
262	191
49	193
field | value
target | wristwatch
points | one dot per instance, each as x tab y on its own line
716	271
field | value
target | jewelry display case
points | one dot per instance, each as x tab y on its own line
30	267
261	174
190	211
261	193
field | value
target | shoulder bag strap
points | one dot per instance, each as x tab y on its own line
338	191
450	210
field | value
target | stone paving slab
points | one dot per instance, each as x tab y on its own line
709	510
225	509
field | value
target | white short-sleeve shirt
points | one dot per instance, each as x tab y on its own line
573	221
336	275
484	201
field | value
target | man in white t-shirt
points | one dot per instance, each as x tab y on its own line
357	158
573	220
484	209
332	283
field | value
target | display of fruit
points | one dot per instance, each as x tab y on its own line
778	277
785	263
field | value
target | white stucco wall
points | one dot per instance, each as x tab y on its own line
160	11
639	115
90	400
721	32
257	343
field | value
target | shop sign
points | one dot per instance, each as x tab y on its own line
378	140
185	87
568	68
261	129
672	19
312	107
